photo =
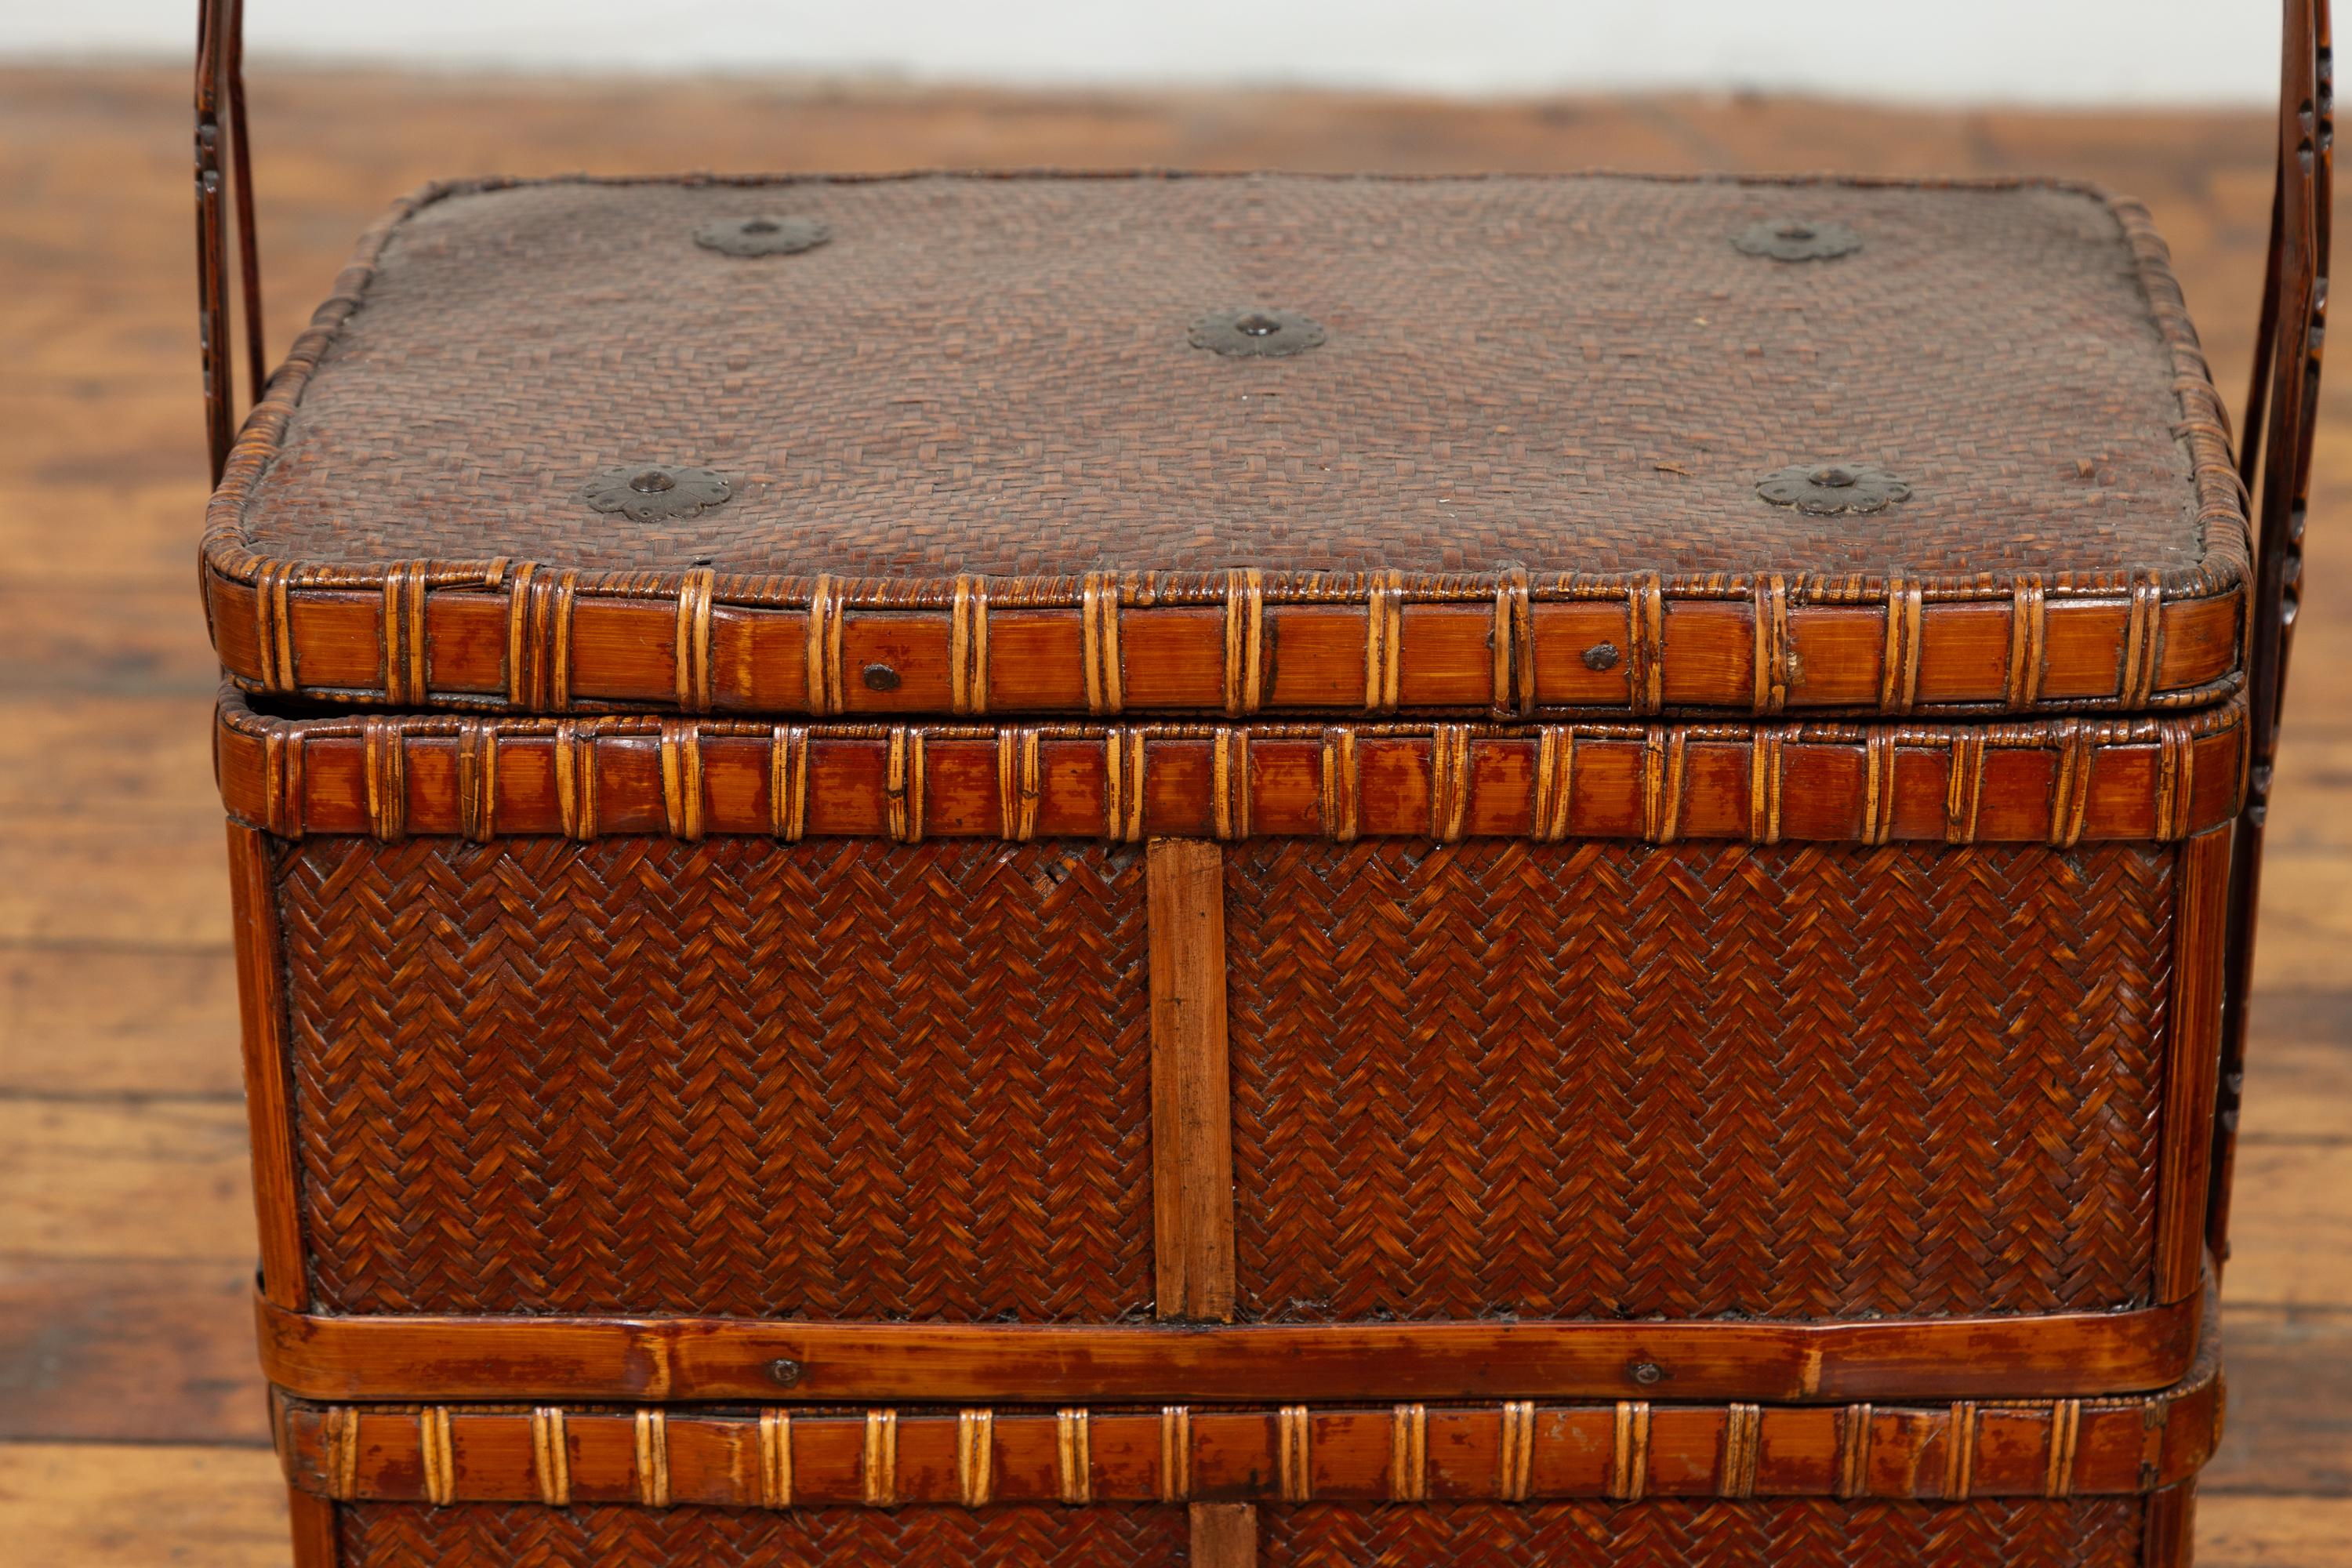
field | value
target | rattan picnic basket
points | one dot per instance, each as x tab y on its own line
1137	869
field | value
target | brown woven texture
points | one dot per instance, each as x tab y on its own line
994	375
489	1535
1625	1081
2101	1533
835	1080
851	1081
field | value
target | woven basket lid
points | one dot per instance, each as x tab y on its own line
1240	443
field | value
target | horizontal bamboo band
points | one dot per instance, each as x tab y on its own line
1503	1451
2059	781
538	637
2022	1356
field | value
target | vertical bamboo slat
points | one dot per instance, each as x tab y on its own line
2193	1064
261	1002
1192	1129
1192	1117
1224	1535
313	1518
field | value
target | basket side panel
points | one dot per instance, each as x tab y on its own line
2104	1532
1694	1080
835	1080
486	1535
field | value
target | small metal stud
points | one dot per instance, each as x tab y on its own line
761	236
658	493
1256	332
1828	489
785	1371
1601	655
879	678
1797	239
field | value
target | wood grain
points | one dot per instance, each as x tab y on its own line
2266	1532
64	754
2290	1417
1192	1113
86	1020
127	1505
150	1351
146	882
103	1179
2290	1242
2296	1089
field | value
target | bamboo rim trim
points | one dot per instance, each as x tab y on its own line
342	1453
1854	1451
539	611
2152	780
1175	1453
1229	785
1629	1467
404	646
1542	649
653	1458
826	686
1098	642
1512	1452
1514	639
1340	788
1515	1451
878	1459
1960	1450
436	1459
775	1459
1899	664
1294	1460
1244	643
1019	786
1770	659
1645	631
1743	1432
1074	1456
550	1456
1383	643
1409	1453
975	1456
968	647
2026	1355
682	787
693	642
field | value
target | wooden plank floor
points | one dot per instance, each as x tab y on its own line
132	1428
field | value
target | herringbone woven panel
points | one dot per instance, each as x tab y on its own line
2103	1532
1613	1079
491	1535
839	1079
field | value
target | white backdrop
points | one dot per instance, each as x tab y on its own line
2086	51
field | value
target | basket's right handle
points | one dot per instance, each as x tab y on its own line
2274	462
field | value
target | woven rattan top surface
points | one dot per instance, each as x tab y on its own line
998	376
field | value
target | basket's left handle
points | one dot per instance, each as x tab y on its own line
224	166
